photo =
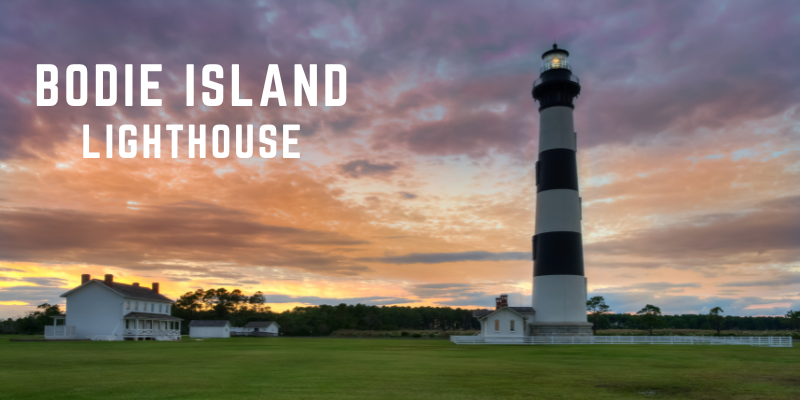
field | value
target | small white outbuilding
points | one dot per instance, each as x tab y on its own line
209	329
263	328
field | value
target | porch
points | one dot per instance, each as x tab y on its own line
149	326
59	332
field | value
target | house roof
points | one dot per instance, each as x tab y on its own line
261	324
147	315
127	291
207	323
480	314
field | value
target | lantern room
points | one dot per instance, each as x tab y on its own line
555	58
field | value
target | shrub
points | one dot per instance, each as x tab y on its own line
416	335
404	333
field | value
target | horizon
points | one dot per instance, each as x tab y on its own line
418	191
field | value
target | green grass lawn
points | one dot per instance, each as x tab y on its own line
300	368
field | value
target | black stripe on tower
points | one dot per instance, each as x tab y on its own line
558	253
557	169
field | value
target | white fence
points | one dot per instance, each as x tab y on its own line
59	332
767	341
159	334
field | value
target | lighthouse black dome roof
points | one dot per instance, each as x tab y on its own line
554	50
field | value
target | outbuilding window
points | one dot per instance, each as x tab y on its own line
497	325
511	328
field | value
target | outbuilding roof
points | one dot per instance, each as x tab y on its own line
147	315
208	323
127	291
261	324
518	310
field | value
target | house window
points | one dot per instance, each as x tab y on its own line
127	323
127	305
497	325
511	328
152	307
160	308
136	306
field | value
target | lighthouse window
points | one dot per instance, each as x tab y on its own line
555	60
511	328
497	325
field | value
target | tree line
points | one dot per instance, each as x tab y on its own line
650	317
239	309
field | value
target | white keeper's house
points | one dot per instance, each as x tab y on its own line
108	310
505	321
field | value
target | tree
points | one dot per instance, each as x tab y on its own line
257	300
650	317
716	320
793	320
597	306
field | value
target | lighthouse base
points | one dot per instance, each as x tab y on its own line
560	329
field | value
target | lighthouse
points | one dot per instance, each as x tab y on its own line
559	284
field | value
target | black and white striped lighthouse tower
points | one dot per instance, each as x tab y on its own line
559	286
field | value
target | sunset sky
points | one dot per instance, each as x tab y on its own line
419	191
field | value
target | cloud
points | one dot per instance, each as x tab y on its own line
437	258
313	300
154	235
765	233
441	289
658	287
361	168
778	280
57	282
34	295
408	196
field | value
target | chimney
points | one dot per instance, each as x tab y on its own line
498	303
109	280
155	287
135	284
85	278
504	300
